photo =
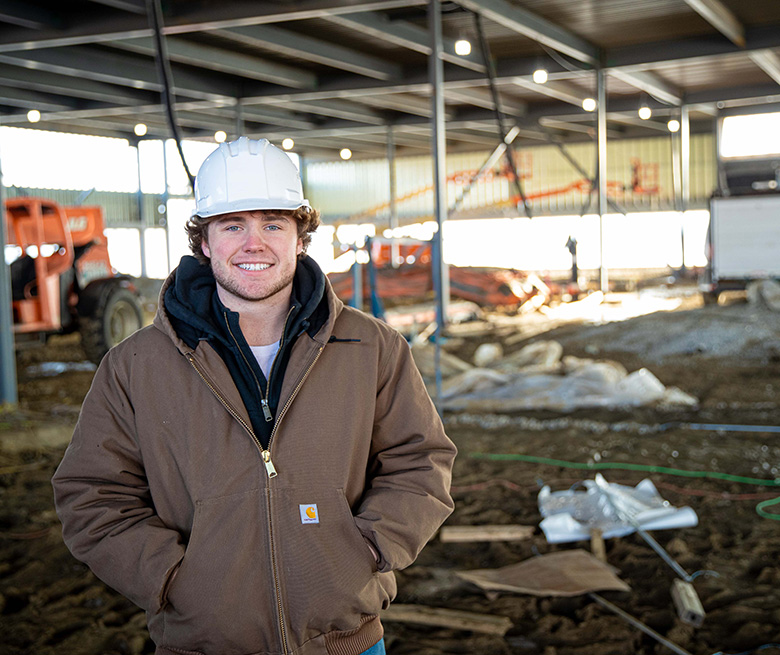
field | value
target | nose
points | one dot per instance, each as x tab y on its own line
254	241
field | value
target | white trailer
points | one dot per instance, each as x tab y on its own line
743	243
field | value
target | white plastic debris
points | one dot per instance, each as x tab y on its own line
487	353
614	509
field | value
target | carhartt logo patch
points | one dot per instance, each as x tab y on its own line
309	514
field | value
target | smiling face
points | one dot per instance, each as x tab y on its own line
253	256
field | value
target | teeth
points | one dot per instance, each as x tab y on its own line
254	267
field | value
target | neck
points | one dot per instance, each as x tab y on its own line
261	321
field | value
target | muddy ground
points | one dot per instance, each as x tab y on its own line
727	356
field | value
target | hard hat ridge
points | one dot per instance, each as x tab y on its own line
246	175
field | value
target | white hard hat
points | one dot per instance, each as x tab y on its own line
245	175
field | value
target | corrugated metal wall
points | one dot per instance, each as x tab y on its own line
639	179
118	208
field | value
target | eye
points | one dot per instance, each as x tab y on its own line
273	227
232	228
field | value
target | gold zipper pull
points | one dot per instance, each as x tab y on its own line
269	465
266	410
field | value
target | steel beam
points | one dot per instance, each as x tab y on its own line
200	18
28	16
113	68
204	56
563	91
133	6
47	82
305	47
768	62
650	83
405	35
721	18
534	27
32	99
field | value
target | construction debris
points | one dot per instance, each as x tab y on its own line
471	533
565	573
573	515
539	377
447	618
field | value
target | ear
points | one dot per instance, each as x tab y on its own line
298	248
204	248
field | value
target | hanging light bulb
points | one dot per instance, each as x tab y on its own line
33	115
288	144
462	47
345	153
140	129
589	104
540	76
645	112
673	125
220	136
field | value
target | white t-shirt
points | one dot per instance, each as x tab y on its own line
265	356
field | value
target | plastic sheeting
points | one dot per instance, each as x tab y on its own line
614	509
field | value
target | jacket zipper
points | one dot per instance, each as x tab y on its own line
263	396
270	469
272	549
264	454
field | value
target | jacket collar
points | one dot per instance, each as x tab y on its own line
185	314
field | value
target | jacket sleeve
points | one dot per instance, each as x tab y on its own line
408	487
102	498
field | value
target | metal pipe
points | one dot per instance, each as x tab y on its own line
601	84
8	389
439	181
638	624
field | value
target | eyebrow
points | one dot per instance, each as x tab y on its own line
233	218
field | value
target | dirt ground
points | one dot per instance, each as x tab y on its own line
727	356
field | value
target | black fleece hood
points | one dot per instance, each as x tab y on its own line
197	314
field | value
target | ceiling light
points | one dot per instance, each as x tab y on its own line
140	129
645	112
589	104
33	115
463	47
288	144
220	136
540	76
673	125
345	153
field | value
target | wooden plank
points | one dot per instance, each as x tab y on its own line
446	618
460	533
597	546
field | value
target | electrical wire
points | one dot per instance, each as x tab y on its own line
749	652
154	13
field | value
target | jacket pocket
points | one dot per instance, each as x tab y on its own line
221	600
329	579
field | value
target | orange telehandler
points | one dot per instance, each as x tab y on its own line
62	279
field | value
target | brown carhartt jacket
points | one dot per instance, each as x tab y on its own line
163	490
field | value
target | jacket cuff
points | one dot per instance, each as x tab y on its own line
169	578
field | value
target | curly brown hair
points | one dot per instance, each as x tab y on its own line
307	220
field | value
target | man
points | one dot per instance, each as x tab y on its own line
252	467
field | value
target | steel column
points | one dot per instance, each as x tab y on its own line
8	390
685	172
395	249
141	213
440	281
601	83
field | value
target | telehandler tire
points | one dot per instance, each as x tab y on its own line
114	318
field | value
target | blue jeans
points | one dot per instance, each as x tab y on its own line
377	649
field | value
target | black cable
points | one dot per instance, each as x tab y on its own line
497	107
154	13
